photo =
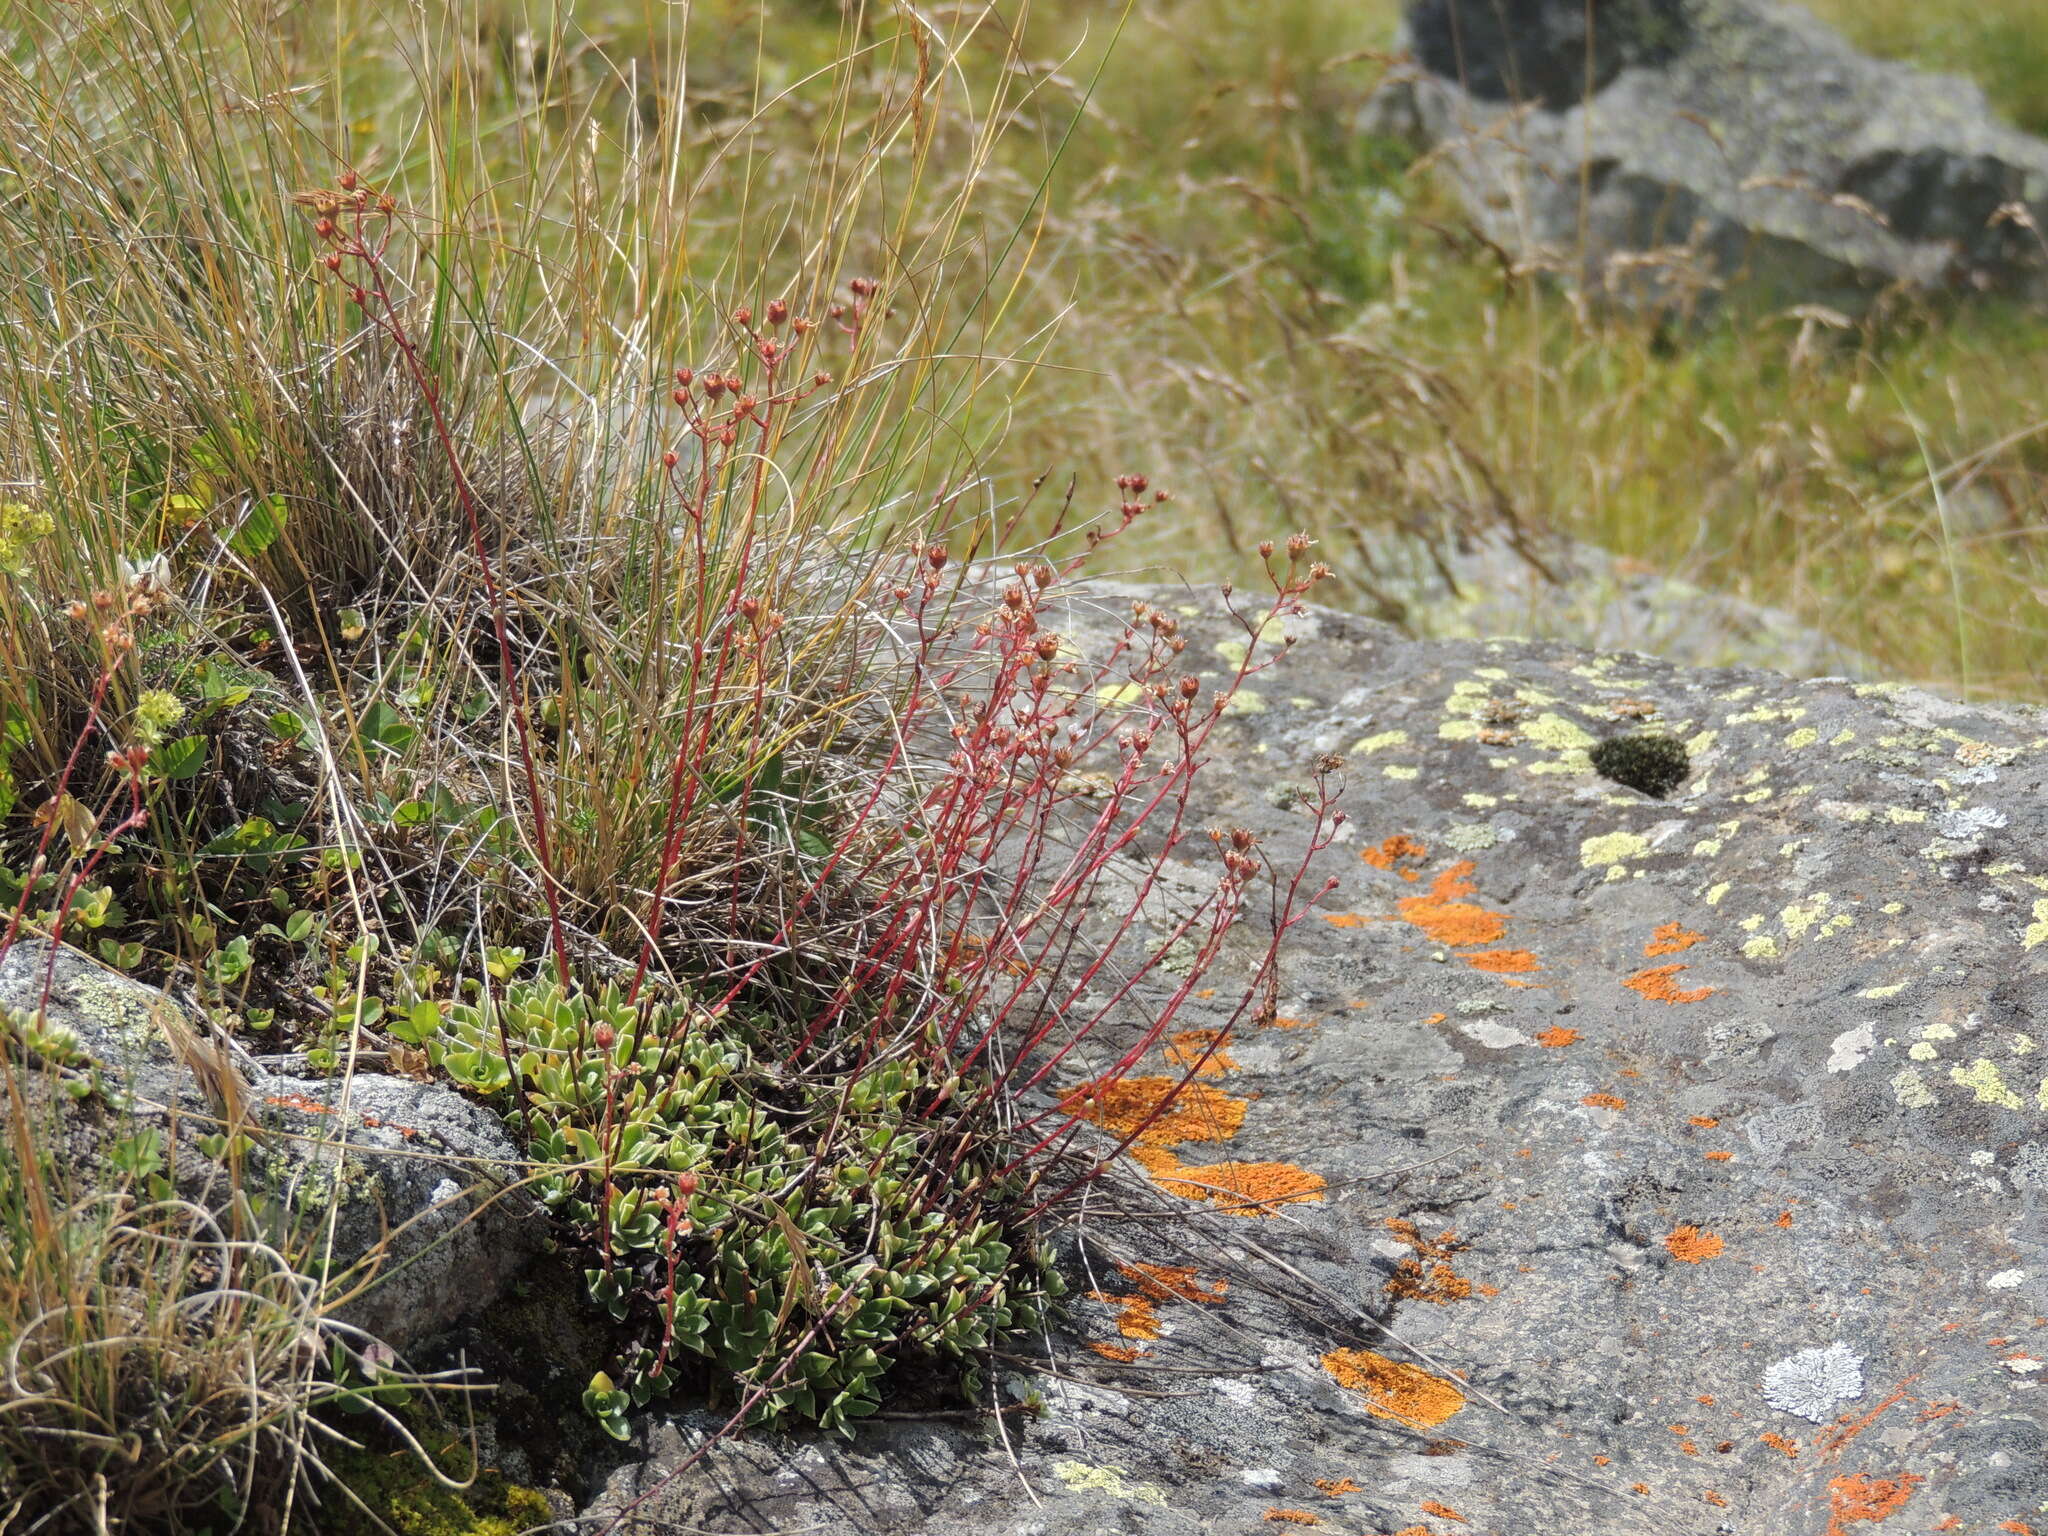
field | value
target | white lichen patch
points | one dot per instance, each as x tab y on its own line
1852	1047
1812	1383
1471	836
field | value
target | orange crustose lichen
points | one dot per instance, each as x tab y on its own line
1191	1048
1557	1037
1670	939
1604	1101
1137	1316
1448	920
1393	1389
1337	1487
1778	1442
1504	961
1196	1112
1658	986
1441	1511
1293	1517
1428	1276
1691	1245
1396	851
1238	1189
1164	1282
1123	1354
1861	1497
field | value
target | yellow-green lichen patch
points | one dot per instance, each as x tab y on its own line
1399	771
1802	738
1482	802
1892	908
1365	746
1109	1481
1117	695
1458	730
1762	947
1983	1078
1706	848
1892	990
1716	892
1554	732
1246	701
1471	837
1764	714
1800	916
1701	742
2037	930
1612	848
1903	815
1232	651
1841	738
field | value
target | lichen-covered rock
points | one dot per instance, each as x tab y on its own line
1632	1166
399	1187
1743	130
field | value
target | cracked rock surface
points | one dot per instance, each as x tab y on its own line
1683	1162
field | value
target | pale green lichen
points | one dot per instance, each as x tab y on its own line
1245	701
1118	695
1366	745
1701	742
1458	730
1802	738
1891	991
1482	802
1706	848
1911	1090
1900	815
1612	848
1400	771
1471	836
1715	894
1763	947
1558	734
1082	1478
1841	738
1983	1078
2037	930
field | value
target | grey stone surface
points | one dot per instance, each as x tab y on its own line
1483	586
1694	1148
1745	132
400	1184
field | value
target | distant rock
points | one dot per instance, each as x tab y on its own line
1685	145
412	1167
1551	588
1683	1163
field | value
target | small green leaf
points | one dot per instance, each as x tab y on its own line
262	522
179	759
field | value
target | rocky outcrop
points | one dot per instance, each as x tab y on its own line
1673	1166
1662	148
400	1186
